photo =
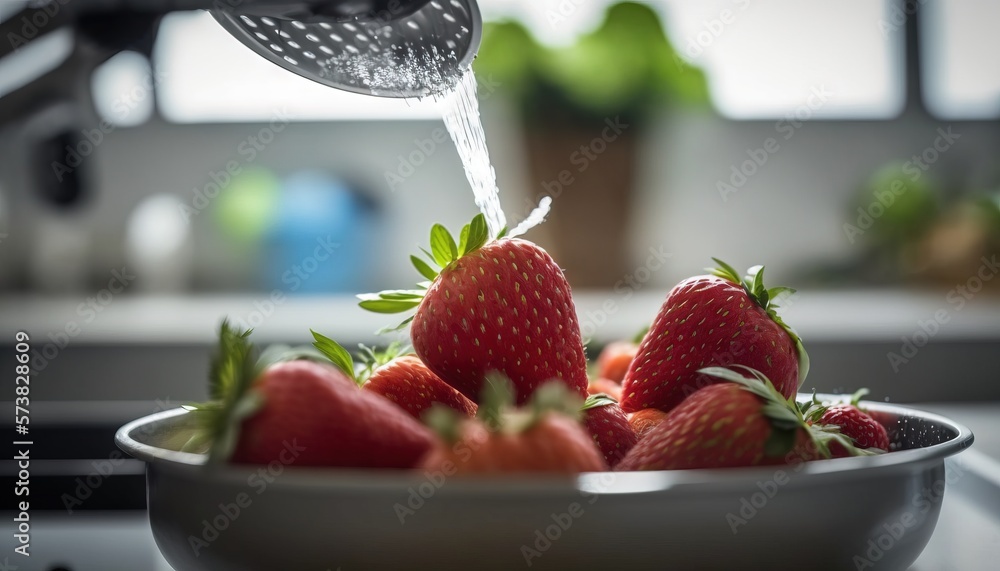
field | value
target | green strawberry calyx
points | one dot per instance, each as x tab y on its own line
597	401
369	359
769	299
235	365
814	409
785	415
445	250
498	413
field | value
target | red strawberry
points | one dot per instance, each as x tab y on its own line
407	382
302	412
401	378
501	306
744	422
644	420
544	437
606	387
711	321
614	360
609	427
855	423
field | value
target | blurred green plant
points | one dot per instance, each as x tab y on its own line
909	205
627	67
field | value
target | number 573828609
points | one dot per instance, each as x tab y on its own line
22	383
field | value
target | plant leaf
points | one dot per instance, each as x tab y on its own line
424	268
597	401
392	328
780	442
725	271
335	353
443	245
388	305
463	240
478	234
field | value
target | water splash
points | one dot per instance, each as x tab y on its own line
465	126
536	217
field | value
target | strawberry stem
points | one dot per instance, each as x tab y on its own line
768	300
444	251
234	367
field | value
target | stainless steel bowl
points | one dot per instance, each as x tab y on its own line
834	514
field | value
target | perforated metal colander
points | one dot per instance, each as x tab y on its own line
417	49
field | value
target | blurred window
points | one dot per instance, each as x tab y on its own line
960	52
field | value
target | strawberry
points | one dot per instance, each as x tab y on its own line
606	387
609	427
743	422
501	305
401	378
301	411
853	422
544	436
716	320
614	360
407	382
642	421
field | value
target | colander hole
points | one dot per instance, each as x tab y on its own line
312	38
325	26
291	61
451	44
350	27
457	4
309	55
436	5
361	37
374	48
413	25
248	21
261	36
326	50
276	48
284	34
336	38
353	49
449	17
293	45
267	21
298	24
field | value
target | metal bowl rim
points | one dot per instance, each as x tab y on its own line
809	473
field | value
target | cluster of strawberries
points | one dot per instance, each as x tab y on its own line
498	380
